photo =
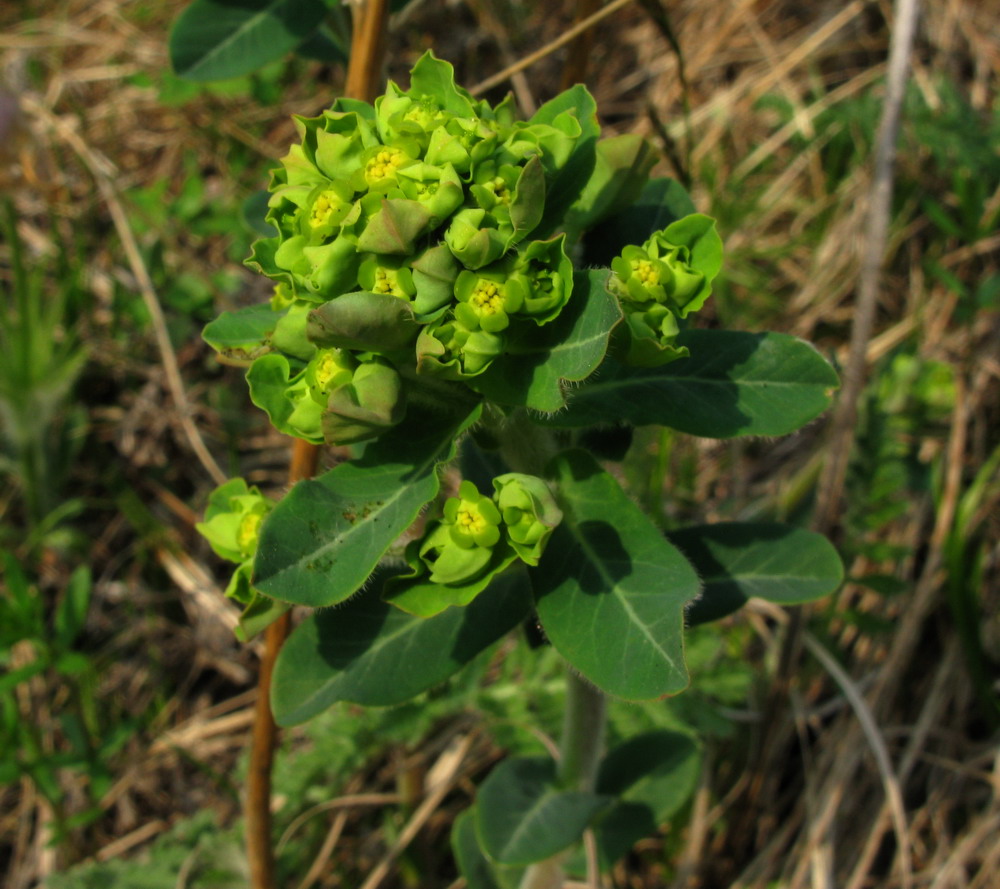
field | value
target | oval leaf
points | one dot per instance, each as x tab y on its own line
737	561
523	817
733	383
478	870
244	335
610	589
540	361
219	39
370	653
320	543
652	775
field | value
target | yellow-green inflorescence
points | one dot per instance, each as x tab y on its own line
477	532
662	282
232	525
428	196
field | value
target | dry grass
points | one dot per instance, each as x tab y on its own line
880	774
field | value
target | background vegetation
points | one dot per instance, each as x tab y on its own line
867	755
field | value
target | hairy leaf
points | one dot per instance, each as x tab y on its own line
322	541
738	560
370	653
522	816
610	590
733	383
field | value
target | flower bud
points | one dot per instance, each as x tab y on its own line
529	513
366	406
540	282
380	274
460	546
309	391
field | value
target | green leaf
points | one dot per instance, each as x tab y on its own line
479	872
321	542
522	816
323	45
71	614
620	173
661	202
610	589
740	560
258	616
268	379
652	775
244	335
363	321
219	39
539	361
733	383
370	653
435	78
571	178
254	212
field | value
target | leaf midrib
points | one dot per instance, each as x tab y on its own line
248	25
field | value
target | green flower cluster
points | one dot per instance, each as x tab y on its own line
232	527
666	279
420	209
476	538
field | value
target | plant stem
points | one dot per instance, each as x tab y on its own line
581	748
524	445
583	733
260	851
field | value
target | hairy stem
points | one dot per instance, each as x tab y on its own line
580	753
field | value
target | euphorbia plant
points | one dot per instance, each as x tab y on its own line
436	302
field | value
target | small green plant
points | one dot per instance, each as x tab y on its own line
41	358
439	299
38	654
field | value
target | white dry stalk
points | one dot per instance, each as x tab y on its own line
874	247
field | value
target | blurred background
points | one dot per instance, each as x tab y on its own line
866	758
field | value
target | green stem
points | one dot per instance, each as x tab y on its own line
580	753
527	447
583	734
524	445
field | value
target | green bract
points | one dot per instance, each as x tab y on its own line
668	277
476	539
232	527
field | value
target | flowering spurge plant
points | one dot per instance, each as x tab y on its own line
440	300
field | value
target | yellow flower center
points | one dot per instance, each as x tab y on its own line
422	115
469	519
384	165
246	536
387	281
646	271
323	208
499	189
486	297
326	368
